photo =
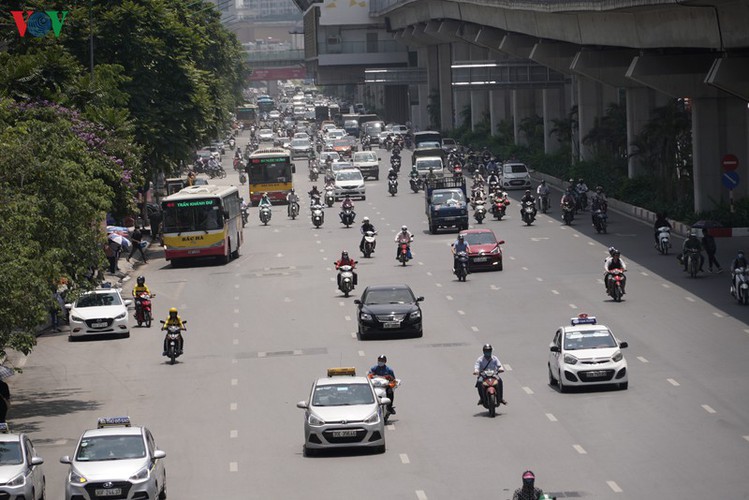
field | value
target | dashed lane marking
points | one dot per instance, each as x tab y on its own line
673	382
524	268
391	427
572	306
449	297
539	278
462	313
233	434
528	390
236	325
361	353
690	299
420	263
708	409
643	360
236	341
555	292
297	352
233	407
341	303
347	318
746	437
614	487
665	285
591	243
579	449
261	354
474	328
551	417
420	495
429	273
718	315
236	311
438	285
236	297
644	273
236	286
279	254
404	458
576	235
234	381
507	367
233	467
512	258
494	287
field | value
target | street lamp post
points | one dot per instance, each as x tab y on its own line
91	37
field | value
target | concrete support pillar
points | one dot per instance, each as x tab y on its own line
523	106
719	127
461	98
273	87
420	113
593	98
553	103
432	86
479	98
445	87
499	108
639	104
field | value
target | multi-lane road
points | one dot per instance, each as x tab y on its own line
261	328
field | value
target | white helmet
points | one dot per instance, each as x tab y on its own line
404	228
365	219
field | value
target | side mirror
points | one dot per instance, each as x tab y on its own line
501	242
379	159
385	401
623	345
293	169
36	461
226	214
419	299
554	348
302	404
66	460
162	321
158	454
128	302
68	306
357	302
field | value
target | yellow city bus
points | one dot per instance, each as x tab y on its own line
247	114
270	170
202	221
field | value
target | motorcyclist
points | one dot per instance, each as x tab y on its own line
314	196
346	205
174	320
613	261
403	237
529	199
431	176
692	243
345	260
392	174
568	199
543	191
366	226
582	191
528	491
140	287
492	180
213	164
381	369
264	201
740	262
599	197
491	166
292	198
458	246
488	362
414	173
660	221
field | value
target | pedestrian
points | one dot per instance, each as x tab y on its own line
109	253
57	307
137	243
4	400
708	243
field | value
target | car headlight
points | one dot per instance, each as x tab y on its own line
121	316
19	480
416	314
140	475
366	317
313	420
570	359
495	250
373	418
617	357
76	478
73	317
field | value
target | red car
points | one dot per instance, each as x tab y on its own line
485	249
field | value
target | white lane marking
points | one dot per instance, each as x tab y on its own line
576	235
322	250
60	442
391	427
599	281
579	449
474	328
233	407
718	315
746	437
438	285
555	292
512	258
449	297
332	279
572	306
539	279
318	241
404	458
234	381
462	313
325	258
279	255
353	335
347	318
551	417
429	273
746	330
690	299
233	434
614	487
261	354
232	466
420	263
236	286
643	360
673	382
494	287
236	341
708	409
328	269
297	352
507	367
234	361
665	285
644	273
524	268
236	325
420	495
591	243
341	303
236	311
528	390
236	297
361	353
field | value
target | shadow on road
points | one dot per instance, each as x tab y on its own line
31	404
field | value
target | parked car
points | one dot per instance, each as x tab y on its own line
99	312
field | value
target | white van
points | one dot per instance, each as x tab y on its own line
514	175
424	163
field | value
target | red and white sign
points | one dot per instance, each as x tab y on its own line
729	163
286	73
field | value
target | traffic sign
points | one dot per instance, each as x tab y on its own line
730	180
730	163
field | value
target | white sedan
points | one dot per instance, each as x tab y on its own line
100	312
349	182
265	134
586	353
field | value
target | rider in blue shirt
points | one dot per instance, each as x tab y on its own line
460	245
488	362
381	369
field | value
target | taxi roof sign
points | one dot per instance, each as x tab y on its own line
342	371
4	428
583	319
112	422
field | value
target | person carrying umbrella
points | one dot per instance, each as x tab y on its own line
137	244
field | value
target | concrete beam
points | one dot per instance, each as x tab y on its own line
468	32
731	75
518	45
606	66
681	75
489	38
448	30
555	55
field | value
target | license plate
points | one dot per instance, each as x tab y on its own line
99	325
344	434
480	259
109	492
596	374
392	324
193	252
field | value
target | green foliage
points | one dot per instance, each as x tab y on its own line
434	110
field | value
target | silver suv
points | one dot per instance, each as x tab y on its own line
368	164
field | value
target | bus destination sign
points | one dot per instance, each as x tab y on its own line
191	203
258	161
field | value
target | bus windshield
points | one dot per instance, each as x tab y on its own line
192	215
265	170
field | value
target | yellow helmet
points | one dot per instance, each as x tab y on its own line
173	310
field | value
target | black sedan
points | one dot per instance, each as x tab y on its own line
389	310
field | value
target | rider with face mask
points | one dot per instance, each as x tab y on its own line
528	491
403	237
366	225
381	369
488	362
458	246
174	320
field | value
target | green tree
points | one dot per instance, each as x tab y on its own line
608	137
532	127
434	111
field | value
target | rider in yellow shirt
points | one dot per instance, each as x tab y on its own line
174	320
141	287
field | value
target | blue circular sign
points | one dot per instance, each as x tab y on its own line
730	180
39	24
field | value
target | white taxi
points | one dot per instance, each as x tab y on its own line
586	353
21	472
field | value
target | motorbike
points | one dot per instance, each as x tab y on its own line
232	143
392	186
293	209
740	288
216	172
615	287
346	280
600	221
380	385
408	142
329	196
461	266
664	239
314	173
582	200
395	162
490	381
403	253
529	213
479	212
242	178
543	200
318	216
568	213
245	215
143	309
265	214
693	262
173	334
347	216
416	184
499	208
457	171
369	243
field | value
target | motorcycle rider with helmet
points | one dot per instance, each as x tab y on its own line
613	261
488	362
458	246
582	192
543	190
345	260
347	204
740	262
392	174
403	237
660	221
528	491
530	199
692	243
264	201
291	198
366	225
314	196
140	287
568	199
174	320
381	369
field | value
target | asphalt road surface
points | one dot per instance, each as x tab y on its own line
263	327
